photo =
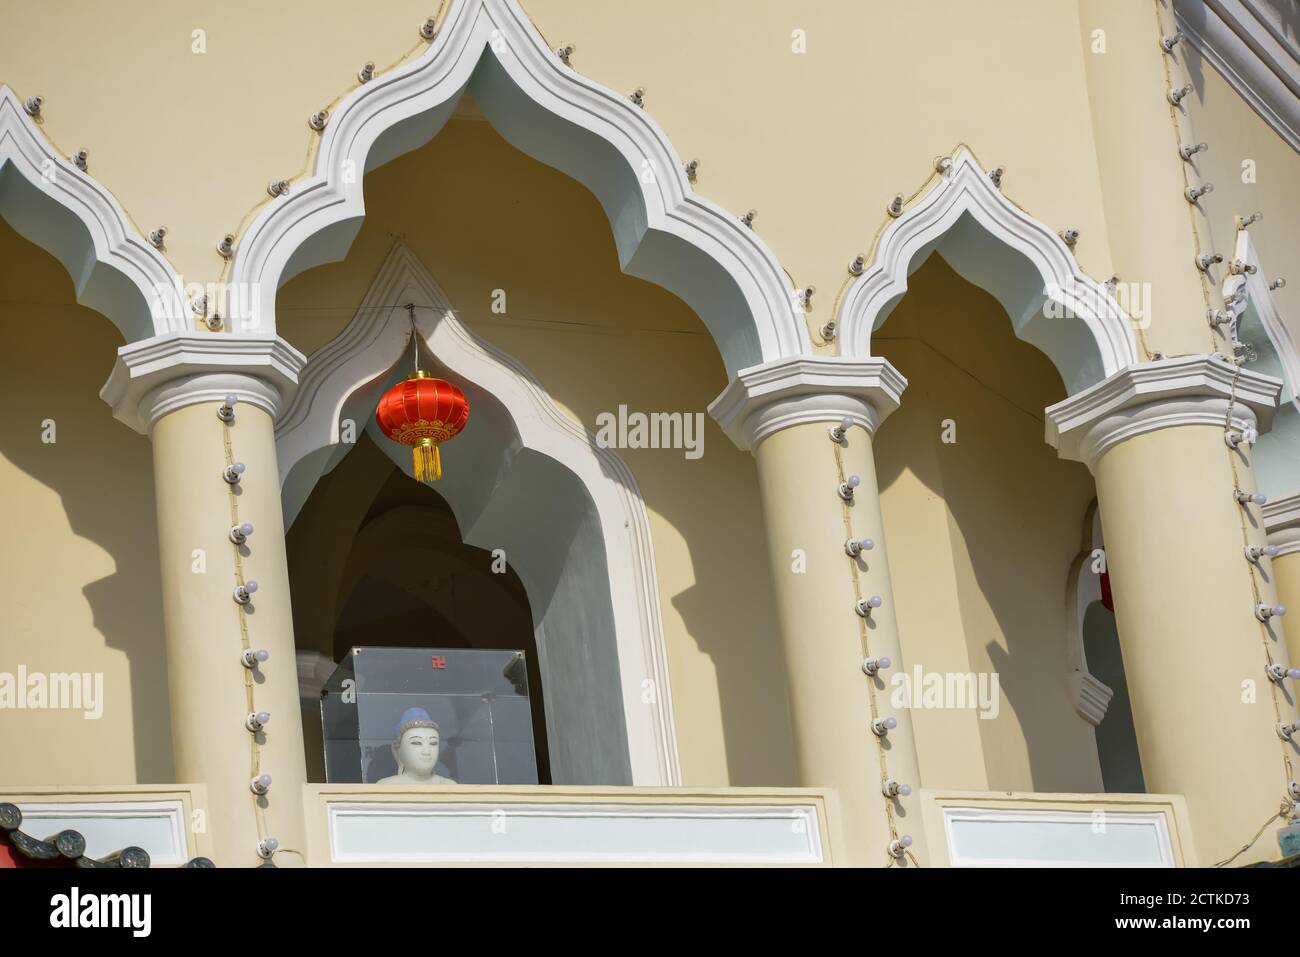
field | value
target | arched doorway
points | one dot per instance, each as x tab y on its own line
376	559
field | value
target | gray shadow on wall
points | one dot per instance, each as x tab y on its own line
57	354
997	513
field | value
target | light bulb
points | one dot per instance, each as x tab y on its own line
266	848
863	606
873	665
882	726
898	847
1254	552
251	658
846	487
839	432
892	788
1264	612
260	784
232	473
226	411
855	546
239	533
257	720
245	592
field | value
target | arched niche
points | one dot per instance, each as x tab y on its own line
994	244
663	231
527	479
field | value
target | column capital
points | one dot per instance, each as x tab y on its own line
1147	396
766	398
1282	522
156	376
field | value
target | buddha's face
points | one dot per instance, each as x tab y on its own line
417	752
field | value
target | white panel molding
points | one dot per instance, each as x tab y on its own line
1038	823
649	195
358	361
157	826
590	832
114	270
967	190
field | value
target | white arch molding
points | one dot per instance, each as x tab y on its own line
1261	326
527	478
663	232
994	244
54	204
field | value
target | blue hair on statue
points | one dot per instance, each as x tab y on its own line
413	718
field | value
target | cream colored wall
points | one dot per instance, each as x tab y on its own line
487	217
1235	134
981	533
818	142
80	561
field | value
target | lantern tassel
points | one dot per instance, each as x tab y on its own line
428	464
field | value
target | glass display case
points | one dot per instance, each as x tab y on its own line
428	716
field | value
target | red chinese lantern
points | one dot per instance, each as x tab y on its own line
421	412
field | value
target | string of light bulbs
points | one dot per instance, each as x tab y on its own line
250	659
1234	440
899	844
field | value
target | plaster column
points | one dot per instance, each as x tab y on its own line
172	387
1282	522
1185	595
783	412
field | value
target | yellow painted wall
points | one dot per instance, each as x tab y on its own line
817	141
80	559
982	531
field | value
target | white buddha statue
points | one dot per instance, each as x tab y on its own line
415	746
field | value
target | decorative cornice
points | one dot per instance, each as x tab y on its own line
764	399
1190	390
160	375
1282	522
734	283
1253	52
967	189
114	270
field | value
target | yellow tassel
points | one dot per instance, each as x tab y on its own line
428	464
